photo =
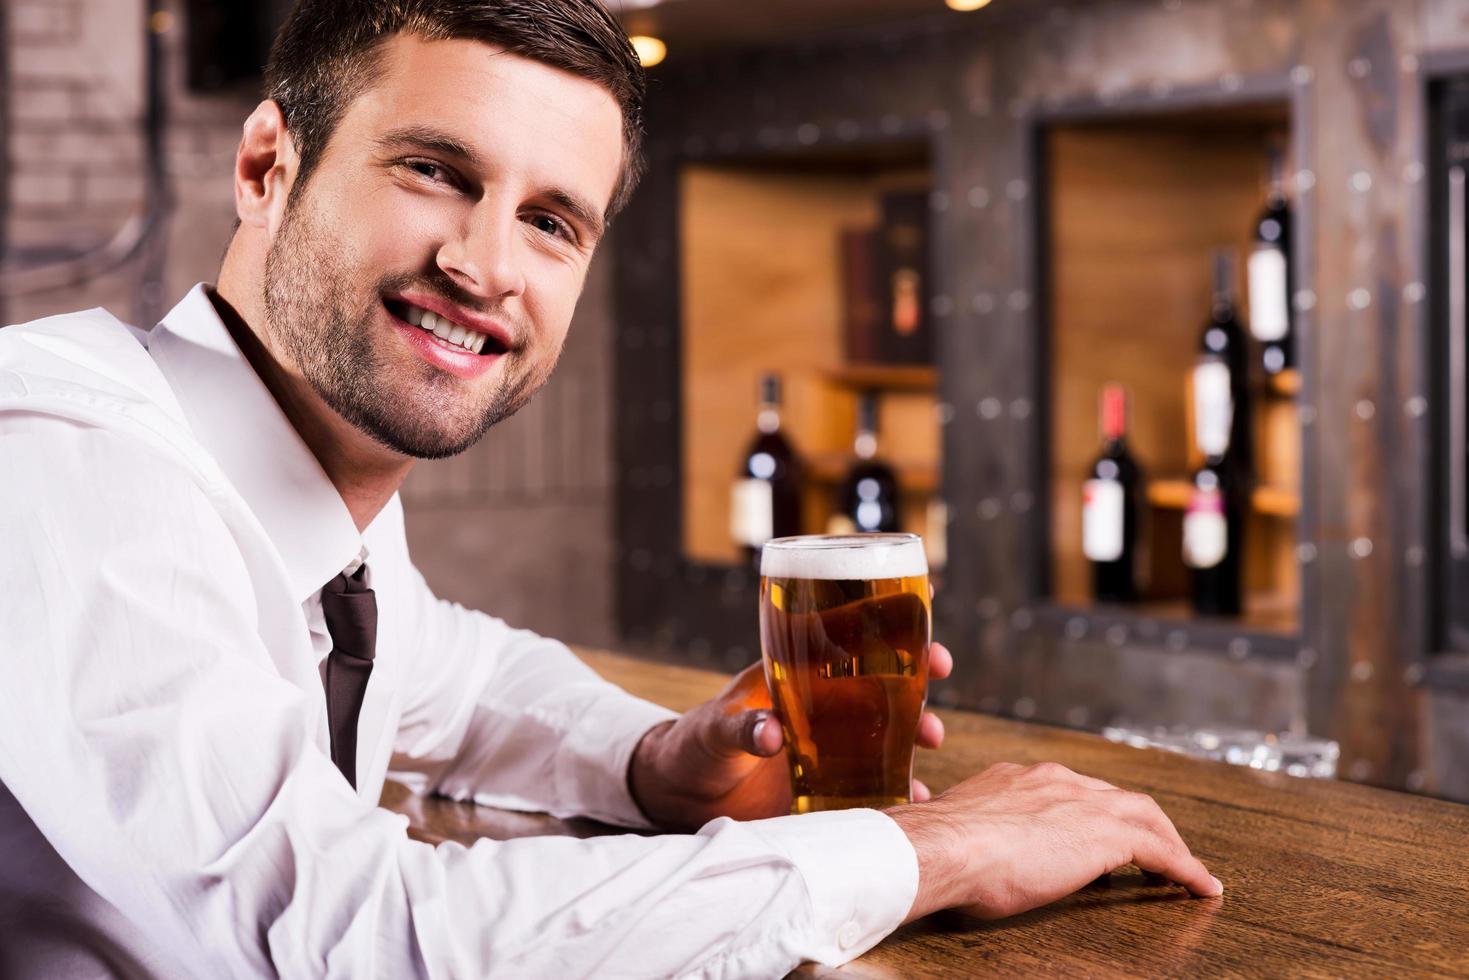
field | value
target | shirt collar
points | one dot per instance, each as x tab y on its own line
238	421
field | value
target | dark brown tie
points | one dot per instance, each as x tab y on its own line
351	619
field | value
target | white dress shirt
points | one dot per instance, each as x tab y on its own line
164	754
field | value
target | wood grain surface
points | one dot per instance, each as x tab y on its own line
1321	878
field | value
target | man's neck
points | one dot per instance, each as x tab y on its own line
365	473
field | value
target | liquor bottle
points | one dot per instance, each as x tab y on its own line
1213	533
766	498
868	498
1111	506
1270	276
1221	392
905	334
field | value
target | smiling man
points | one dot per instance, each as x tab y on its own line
214	644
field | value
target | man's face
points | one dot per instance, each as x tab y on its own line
466	182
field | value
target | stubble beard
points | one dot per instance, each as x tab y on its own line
408	406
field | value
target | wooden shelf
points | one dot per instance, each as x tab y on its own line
885	377
831	468
1269	501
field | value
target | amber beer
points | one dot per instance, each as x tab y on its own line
844	633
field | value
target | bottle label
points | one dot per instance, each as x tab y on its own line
1269	304
1213	408
752	512
1205	530
1101	520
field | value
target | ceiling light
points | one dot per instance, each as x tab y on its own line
650	50
966	4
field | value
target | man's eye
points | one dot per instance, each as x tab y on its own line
428	169
552	225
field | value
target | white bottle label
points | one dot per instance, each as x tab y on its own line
1205	530
752	512
1101	520
1213	408
1269	309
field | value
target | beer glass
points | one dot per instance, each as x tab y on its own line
844	634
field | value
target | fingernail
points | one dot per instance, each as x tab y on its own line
1217	884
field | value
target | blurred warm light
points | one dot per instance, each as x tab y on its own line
650	50
161	22
966	4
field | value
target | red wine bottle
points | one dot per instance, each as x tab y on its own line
766	498
868	497
1221	379
1213	535
1270	276
1111	506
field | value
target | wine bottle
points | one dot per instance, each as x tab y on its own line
1270	276
1221	390
766	498
1213	533
1111	506
868	497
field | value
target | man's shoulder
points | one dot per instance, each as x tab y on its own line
84	360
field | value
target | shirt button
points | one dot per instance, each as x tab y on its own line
848	935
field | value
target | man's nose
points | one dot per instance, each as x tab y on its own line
485	257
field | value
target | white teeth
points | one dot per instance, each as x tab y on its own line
441	327
415	315
478	343
456	335
427	320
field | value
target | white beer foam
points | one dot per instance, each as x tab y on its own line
845	556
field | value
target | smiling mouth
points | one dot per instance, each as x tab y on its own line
449	334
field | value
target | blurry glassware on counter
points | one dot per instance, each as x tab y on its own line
904	334
868	497
765	501
1294	755
1270	276
1111	506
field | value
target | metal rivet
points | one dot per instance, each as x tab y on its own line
989	509
1025	708
944	412
1305	180
1021	501
1360	770
1359	68
1362	548
1414	674
1178	641
1019	301
1305	553
983	303
990	409
1305	300
1017	189
1359	299
1414	292
1414	556
1302	74
1022	620
808	133
938	201
1239	648
1413	172
1116	635
1076	627
1416	407
979	197
1365	409
1020	409
1307	414
1361	182
941	306
1306	658
1231	82
1416	781
1077	717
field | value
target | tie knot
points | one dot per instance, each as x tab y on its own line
350	609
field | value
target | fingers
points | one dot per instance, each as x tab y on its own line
921	793
1158	848
940	662
744	732
930	731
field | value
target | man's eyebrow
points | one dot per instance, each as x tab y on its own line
429	139
425	138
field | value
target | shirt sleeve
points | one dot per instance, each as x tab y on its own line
147	734
511	719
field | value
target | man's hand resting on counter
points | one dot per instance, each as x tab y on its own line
724	759
1014	838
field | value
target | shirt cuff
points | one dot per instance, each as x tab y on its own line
861	874
592	767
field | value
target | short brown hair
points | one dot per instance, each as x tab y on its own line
326	54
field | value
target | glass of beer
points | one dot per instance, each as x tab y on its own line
844	634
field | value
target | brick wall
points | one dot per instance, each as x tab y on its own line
520	525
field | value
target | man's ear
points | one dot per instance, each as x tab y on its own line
265	168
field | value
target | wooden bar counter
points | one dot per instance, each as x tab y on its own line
1321	878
